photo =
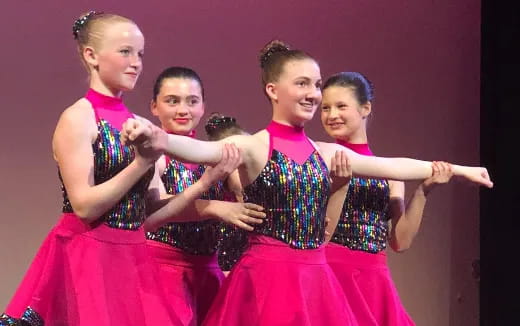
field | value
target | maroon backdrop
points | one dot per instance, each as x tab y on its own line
423	57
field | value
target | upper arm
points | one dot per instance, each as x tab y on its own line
72	147
397	206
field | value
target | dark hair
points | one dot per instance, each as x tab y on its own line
273	57
176	72
362	87
220	126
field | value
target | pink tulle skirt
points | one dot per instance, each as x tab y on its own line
273	285
92	275
191	282
368	286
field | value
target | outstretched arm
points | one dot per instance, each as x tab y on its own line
185	149
186	206
401	168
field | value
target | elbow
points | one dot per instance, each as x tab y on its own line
400	246
84	212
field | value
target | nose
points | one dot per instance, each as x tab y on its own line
182	110
314	94
137	62
333	113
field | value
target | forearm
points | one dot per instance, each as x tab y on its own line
182	207
408	224
334	210
390	168
94	201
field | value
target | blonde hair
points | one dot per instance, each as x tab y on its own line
88	30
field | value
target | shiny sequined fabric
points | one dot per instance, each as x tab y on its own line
295	198
110	157
233	244
29	318
196	238
363	224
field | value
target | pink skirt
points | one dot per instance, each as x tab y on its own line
91	275
273	284
368	286
191	282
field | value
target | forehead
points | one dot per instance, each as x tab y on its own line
336	93
302	68
116	34
180	86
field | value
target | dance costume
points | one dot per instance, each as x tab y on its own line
356	252
96	273
187	252
283	277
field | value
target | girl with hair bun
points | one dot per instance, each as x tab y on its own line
283	278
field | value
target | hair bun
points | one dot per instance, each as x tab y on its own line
82	21
218	121
271	48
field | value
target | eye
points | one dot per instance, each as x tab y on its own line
124	52
194	102
325	108
342	106
172	101
140	54
301	83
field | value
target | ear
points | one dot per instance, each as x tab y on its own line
90	56
271	91
366	109
153	108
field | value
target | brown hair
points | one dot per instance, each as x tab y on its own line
220	126
273	57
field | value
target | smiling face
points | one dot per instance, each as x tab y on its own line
113	55
179	105
342	116
297	92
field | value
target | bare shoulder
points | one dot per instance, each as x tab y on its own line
77	119
77	112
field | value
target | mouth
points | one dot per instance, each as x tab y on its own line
335	125
181	121
131	74
308	106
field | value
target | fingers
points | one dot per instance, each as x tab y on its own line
243	225
486	178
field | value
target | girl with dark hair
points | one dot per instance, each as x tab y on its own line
283	277
187	251
356	252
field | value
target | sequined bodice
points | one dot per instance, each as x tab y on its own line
295	199
198	238
110	157
363	224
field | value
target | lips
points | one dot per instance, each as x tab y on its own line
335	125
182	121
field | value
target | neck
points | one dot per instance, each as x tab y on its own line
286	131
101	88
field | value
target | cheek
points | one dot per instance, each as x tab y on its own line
197	112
